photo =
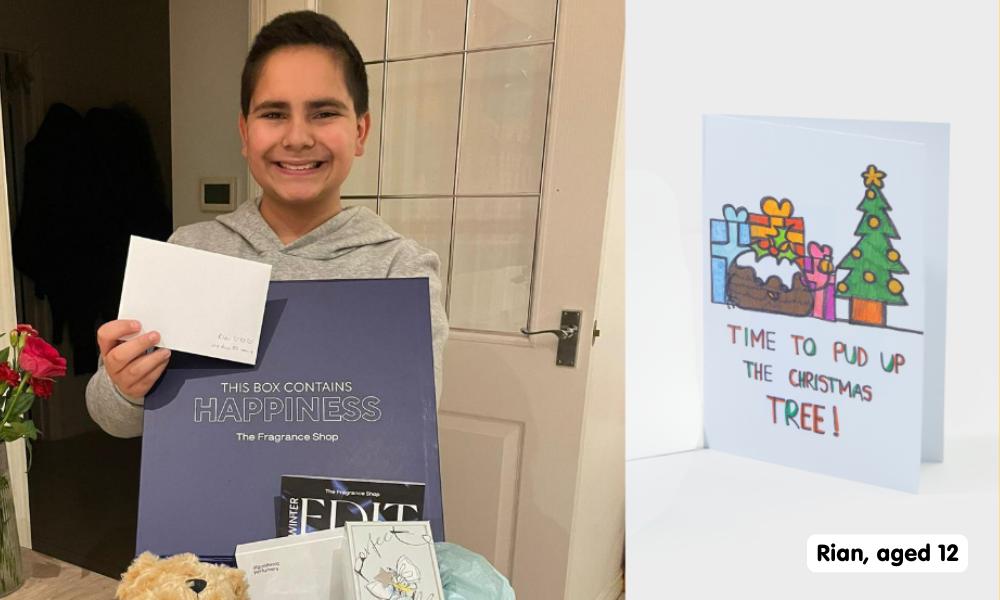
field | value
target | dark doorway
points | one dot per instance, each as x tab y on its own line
107	61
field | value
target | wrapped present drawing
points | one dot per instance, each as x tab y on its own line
776	232
730	237
818	273
775	239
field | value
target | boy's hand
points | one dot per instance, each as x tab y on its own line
130	367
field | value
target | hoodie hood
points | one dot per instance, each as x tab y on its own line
349	229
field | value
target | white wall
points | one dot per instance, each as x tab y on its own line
886	59
208	42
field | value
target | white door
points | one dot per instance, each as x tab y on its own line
493	127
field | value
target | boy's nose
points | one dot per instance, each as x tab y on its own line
298	134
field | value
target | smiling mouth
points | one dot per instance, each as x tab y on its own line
300	167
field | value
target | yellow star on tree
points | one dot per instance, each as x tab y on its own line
873	176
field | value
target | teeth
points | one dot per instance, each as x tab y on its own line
305	167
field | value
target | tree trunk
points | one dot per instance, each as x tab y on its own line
868	312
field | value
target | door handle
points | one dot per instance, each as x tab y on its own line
568	334
563	334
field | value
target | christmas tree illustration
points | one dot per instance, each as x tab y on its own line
872	263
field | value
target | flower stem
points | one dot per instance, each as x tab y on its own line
12	400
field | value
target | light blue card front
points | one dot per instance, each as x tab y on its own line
824	293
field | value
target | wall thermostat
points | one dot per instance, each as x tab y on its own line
218	194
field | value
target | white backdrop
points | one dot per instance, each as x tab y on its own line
854	59
706	524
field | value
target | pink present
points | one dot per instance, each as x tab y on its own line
819	274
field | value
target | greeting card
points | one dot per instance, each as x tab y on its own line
825	293
392	561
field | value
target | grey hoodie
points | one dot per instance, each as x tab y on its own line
354	244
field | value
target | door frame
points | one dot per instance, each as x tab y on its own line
17	459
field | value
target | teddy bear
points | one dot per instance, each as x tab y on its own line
180	577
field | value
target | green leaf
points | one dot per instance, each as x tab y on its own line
4	354
19	429
788	255
22	403
30	431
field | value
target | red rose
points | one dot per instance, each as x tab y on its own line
8	375
41	388
23	328
41	360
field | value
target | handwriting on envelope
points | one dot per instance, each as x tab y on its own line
200	302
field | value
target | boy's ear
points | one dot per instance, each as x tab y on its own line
364	126
242	124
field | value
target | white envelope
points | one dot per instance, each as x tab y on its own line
200	302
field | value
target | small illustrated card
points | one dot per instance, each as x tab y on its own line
200	302
824	271
392	561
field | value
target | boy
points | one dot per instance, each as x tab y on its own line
304	117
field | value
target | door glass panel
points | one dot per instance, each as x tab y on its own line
421	126
363	20
427	221
495	22
273	8
426	27
363	180
490	173
504	120
491	274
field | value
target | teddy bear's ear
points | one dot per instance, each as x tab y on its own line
138	566
237	580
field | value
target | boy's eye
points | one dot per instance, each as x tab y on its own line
272	115
326	114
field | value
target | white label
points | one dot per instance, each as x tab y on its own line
887	553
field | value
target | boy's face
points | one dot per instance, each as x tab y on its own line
301	134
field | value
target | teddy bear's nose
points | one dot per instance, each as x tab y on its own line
196	584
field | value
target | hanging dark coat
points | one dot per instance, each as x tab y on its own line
89	184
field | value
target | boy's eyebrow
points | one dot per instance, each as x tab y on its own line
271	105
326	102
311	105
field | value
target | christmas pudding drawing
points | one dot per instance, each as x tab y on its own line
750	292
762	262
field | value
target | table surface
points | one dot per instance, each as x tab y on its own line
704	524
47	578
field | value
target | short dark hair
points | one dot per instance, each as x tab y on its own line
306	28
